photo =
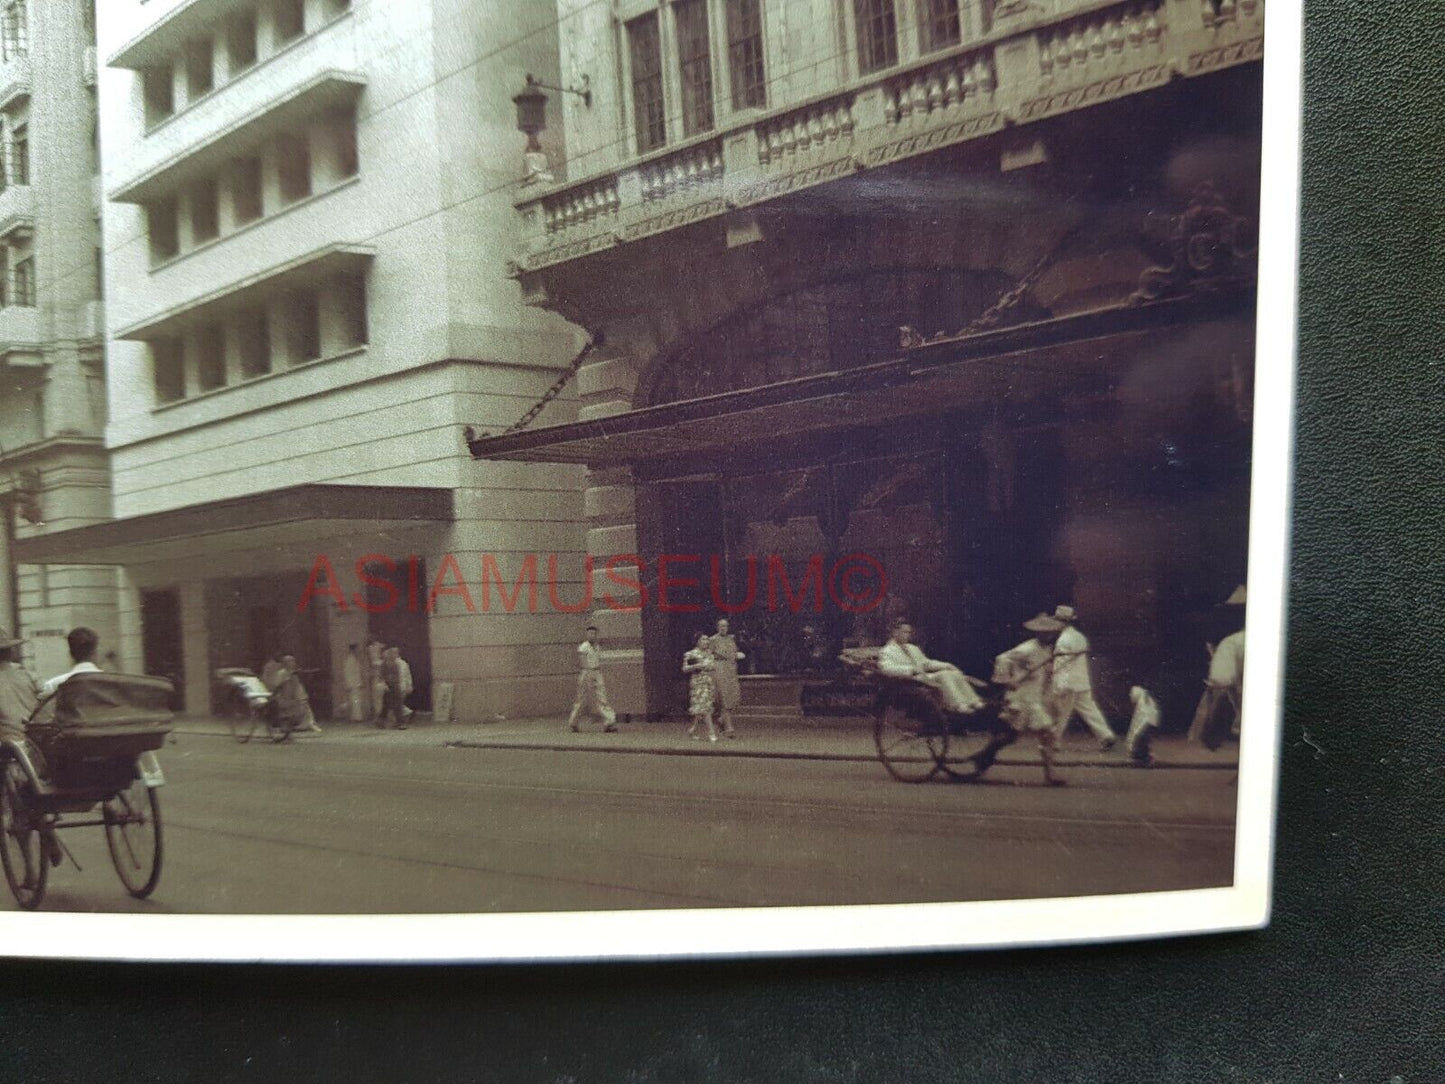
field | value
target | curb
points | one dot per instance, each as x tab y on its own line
787	754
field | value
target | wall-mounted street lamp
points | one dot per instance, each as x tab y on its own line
531	106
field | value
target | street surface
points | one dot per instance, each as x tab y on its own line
340	824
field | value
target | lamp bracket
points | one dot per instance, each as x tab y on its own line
584	91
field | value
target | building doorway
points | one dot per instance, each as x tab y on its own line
162	647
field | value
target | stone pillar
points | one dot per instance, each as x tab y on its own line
129	649
610	502
67	396
195	648
8	617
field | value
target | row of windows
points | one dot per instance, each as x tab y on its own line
688	49
291	167
294	329
14	31
17	277
237	45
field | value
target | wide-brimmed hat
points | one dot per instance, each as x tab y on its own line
1066	614
6	640
1236	599
1044	623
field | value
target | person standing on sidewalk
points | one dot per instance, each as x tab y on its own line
1073	690
1219	708
404	669
351	679
374	659
1027	673
591	689
391	700
701	689
725	656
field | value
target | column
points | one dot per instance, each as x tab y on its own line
8	617
195	648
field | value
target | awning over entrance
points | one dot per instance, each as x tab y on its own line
277	517
940	375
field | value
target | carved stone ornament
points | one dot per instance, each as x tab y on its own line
1200	250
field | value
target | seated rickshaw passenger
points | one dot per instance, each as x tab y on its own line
83	643
901	658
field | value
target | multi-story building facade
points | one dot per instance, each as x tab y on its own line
53	474
965	286
308	211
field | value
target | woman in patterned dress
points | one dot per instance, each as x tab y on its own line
702	691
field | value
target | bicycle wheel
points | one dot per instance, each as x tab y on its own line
973	752
911	748
133	834
22	841
243	719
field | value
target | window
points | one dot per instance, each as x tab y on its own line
200	68
13	31
94	134
168	362
20	154
877	27
645	54
303	328
160	94
163	223
99	274
694	55
295	160
205	211
24	291
253	341
210	357
941	26
745	54
340	128
246	204
241	41
5	292
290	20
353	310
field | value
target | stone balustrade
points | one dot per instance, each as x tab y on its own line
1033	65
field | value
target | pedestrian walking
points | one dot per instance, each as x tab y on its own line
407	688
293	703
725	655
1027	672
702	690
1073	689
351	679
374	652
1220	708
1142	725
902	658
591	689
392	699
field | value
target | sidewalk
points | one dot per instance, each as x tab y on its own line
792	740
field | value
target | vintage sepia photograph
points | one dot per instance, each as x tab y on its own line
638	477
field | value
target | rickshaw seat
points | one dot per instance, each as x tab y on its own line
103	715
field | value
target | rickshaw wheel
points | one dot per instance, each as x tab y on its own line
911	748
133	834
973	753
22	842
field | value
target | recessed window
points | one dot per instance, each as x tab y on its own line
877	25
168	361
241	41
163	223
745	54
289	19
294	154
352	296
253	342
694	55
13	31
205	211
24	289
303	328
340	128
20	154
246	201
645	54
99	264
200	68
941	26
160	94
211	357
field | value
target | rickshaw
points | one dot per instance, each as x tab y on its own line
86	759
248	704
915	737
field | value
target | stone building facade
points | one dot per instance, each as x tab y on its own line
964	286
53	471
308	211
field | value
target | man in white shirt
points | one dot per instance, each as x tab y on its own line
591	689
1029	706
83	644
404	671
1073	691
1219	707
352	681
902	658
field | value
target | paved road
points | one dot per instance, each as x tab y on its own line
324	827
